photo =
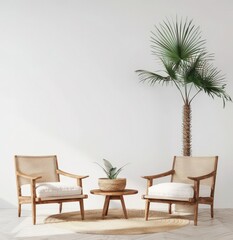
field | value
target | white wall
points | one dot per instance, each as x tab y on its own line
68	87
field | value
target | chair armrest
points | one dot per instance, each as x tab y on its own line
159	175
203	176
30	177
150	178
77	177
70	175
197	182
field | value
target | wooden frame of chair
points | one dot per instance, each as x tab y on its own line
34	200
195	201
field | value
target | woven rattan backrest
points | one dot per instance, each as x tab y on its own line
193	167
44	166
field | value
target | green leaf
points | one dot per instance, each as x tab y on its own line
109	170
107	173
112	172
118	171
107	165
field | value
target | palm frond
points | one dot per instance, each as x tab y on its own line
170	68
212	83
180	48
152	78
190	71
177	41
206	78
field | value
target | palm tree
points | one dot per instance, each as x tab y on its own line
187	65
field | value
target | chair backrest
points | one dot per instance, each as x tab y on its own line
44	166
193	167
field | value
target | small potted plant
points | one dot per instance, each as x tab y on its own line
111	183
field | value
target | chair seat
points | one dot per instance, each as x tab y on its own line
52	189
176	191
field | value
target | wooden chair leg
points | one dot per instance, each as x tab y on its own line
33	213
147	209
212	210
19	210
81	208
60	207
195	214
170	208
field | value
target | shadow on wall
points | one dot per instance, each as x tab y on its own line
5	204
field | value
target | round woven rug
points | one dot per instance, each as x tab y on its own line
115	224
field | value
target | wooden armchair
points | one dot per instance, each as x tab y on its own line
192	182
38	182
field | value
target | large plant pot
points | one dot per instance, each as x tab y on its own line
112	185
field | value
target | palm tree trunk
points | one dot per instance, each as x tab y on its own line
186	150
187	129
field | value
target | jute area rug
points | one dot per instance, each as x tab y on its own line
115	224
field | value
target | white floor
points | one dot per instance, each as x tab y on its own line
12	227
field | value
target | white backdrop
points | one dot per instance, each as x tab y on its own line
68	87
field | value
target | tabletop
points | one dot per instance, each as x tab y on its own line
119	193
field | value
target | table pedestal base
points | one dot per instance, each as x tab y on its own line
114	196
106	205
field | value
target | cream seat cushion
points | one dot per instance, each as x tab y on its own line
176	191
52	189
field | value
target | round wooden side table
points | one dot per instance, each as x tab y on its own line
114	196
